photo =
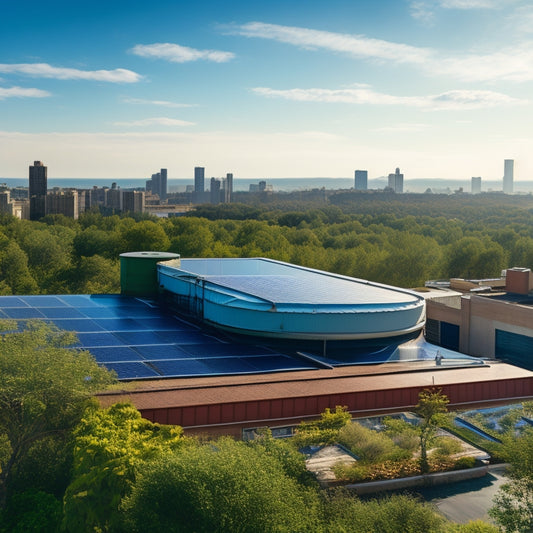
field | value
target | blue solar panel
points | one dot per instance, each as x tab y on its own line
132	370
162	324
134	338
166	351
61	312
12	301
183	337
76	324
79	300
119	324
118	353
138	340
224	349
228	365
43	301
183	367
137	312
98	339
117	300
23	312
100	312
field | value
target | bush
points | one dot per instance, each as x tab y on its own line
370	446
447	445
465	462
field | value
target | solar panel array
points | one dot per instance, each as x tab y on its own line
139	340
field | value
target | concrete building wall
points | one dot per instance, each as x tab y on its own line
478	320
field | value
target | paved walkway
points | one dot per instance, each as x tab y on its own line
466	500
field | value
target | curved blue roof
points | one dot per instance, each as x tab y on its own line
267	297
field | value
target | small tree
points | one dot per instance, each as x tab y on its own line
513	507
43	391
108	447
432	404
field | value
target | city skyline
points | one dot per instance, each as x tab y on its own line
439	88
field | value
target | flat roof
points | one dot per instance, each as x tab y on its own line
367	378
280	282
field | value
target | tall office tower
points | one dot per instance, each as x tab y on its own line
361	180
37	190
163	184
156	184
476	185
396	181
508	175
199	185
199	179
214	191
228	188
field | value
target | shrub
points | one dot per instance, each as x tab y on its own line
465	462
368	445
447	445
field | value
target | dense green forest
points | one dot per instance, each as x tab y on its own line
403	240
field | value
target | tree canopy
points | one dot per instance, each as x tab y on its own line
44	390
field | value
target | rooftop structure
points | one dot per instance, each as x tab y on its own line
489	318
267	298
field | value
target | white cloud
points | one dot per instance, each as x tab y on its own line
403	127
155	121
470	4
44	70
21	92
355	45
510	64
450	100
163	103
180	54
422	12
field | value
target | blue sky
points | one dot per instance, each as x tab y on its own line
119	89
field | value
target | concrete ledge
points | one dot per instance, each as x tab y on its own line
428	480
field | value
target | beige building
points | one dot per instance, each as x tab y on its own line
484	318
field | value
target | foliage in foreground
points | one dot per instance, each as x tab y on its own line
513	509
109	445
387	515
218	487
44	390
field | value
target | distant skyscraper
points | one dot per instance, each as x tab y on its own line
163	184
396	181
158	184
361	180
229	188
476	185
37	190
508	175
199	179
214	191
199	195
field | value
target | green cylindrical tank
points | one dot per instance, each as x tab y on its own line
138	272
